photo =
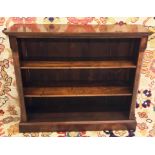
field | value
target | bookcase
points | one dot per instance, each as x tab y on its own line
77	77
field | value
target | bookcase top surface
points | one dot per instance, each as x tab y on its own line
76	30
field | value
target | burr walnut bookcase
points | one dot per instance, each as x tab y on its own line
77	77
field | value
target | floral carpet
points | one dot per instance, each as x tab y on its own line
9	103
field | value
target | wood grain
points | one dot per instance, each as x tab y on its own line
76	91
77	121
70	49
16	62
142	47
57	30
77	126
77	64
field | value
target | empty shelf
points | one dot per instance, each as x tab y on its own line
77	64
77	121
76	91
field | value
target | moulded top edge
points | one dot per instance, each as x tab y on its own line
76	30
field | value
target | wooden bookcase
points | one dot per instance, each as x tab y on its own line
77	77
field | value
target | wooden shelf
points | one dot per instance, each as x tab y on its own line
76	91
77	121
77	64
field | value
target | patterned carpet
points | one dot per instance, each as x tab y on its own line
9	104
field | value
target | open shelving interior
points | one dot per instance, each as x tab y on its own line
78	109
82	79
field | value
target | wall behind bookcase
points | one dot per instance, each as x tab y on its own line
9	104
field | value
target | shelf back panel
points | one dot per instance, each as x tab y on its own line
60	77
78	48
82	104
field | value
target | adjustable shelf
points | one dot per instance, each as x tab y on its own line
77	64
77	77
77	91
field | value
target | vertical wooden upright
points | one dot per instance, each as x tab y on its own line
16	62
142	47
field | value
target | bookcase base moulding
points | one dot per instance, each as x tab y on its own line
77	77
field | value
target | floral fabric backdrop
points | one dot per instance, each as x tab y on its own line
9	103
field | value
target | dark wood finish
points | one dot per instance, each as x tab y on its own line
142	47
77	126
77	77
80	116
71	49
76	91
77	64
60	30
78	104
15	54
85	79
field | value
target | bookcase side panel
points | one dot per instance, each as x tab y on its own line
142	47
16	61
